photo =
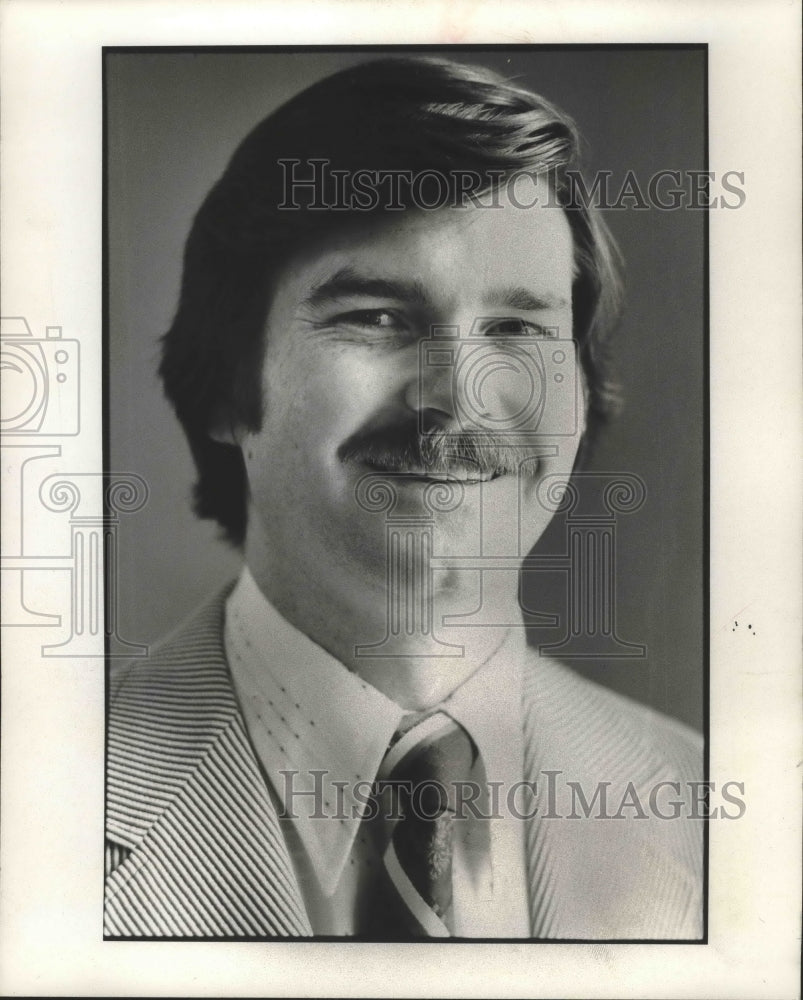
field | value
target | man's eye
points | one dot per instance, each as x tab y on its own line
380	319
519	328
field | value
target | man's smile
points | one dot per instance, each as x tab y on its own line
404	454
456	473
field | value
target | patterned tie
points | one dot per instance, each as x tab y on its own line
427	756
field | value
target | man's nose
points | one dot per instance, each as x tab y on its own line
462	379
430	389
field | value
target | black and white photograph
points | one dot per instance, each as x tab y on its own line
383	531
453	441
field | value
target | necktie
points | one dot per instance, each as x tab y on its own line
422	770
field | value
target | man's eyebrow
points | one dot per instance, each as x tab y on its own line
518	297
348	282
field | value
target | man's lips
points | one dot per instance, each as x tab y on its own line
454	474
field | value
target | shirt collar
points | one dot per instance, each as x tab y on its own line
488	706
306	713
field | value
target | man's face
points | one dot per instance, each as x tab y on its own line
351	376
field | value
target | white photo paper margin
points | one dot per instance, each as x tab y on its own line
53	708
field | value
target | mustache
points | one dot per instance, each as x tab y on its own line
406	448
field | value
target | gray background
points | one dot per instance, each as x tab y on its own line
173	120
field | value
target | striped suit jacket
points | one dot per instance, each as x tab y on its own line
195	848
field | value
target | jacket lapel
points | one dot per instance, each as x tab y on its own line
186	796
595	878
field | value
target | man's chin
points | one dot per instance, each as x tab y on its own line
404	519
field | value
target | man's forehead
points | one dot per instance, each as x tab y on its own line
506	257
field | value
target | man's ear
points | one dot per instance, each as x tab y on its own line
226	431
586	395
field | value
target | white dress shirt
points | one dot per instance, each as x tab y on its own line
317	727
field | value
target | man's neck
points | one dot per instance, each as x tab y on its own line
414	666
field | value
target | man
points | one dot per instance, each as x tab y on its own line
389	350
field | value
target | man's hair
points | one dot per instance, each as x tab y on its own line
410	114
